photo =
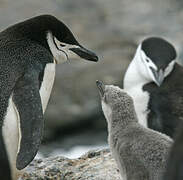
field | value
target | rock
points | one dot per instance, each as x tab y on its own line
95	165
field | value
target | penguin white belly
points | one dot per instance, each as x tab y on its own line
47	84
140	99
11	135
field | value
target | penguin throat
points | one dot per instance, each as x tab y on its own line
118	117
133	77
59	56
123	116
133	84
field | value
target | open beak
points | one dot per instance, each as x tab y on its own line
85	54
159	76
101	87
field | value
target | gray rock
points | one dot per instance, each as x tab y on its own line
95	165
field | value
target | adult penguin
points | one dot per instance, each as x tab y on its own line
29	52
153	81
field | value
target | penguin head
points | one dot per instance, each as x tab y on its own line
63	44
114	99
155	59
54	35
64	49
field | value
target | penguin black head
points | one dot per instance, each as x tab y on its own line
156	59
54	35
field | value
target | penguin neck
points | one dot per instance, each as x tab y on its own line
122	118
134	82
133	75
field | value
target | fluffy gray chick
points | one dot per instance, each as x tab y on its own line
140	153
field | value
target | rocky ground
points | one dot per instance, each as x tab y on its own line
95	165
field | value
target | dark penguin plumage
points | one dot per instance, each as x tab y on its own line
153	80
27	51
5	171
174	169
166	103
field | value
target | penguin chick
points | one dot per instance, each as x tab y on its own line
140	153
29	51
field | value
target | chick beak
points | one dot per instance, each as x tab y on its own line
101	88
85	53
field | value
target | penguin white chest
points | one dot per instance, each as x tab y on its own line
140	99
133	85
47	84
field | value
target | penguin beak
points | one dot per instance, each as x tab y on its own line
85	53
159	76
101	88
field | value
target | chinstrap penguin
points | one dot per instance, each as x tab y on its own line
140	153
29	51
153	81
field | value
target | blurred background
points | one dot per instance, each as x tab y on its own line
74	122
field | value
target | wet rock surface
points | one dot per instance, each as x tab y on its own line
95	165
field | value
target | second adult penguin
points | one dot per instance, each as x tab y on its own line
28	53
153	80
140	153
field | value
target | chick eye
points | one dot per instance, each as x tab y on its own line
62	45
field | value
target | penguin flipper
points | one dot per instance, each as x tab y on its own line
27	100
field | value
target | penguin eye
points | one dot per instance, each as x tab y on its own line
62	45
147	60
